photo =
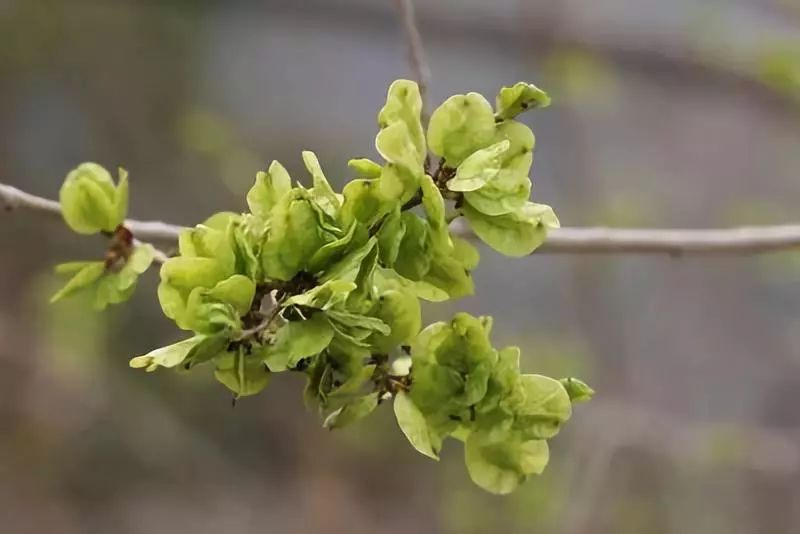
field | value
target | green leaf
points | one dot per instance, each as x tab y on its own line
463	251
519	156
361	299
452	363
294	237
319	382
269	189
504	389
448	273
117	287
413	260
350	263
363	202
334	250
242	374
398	183
437	389
184	292
577	390
208	256
297	340
358	324
461	343
390	236
354	384
433	204
424	347
467	348
401	139
89	273
499	463
365	168
169	356
172	301
546	397
415	428
322	192
515	234
219	221
113	288
418	288
479	168
205	351
508	189
511	101
140	259
352	412
186	273
246	237
547	405
394	145
207	241
400	310
89	201
348	349
323	296
460	126
238	291
205	314
72	267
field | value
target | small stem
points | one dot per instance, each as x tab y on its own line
263	325
415	201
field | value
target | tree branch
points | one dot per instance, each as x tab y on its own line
595	240
416	53
733	241
12	198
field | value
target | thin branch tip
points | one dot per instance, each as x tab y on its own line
12	199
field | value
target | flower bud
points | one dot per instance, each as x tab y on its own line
90	203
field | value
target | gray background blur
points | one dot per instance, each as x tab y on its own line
683	113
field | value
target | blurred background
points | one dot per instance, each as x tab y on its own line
666	114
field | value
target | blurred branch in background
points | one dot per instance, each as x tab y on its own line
597	240
416	53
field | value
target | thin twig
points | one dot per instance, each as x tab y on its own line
679	242
594	240
260	327
12	198
416	53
